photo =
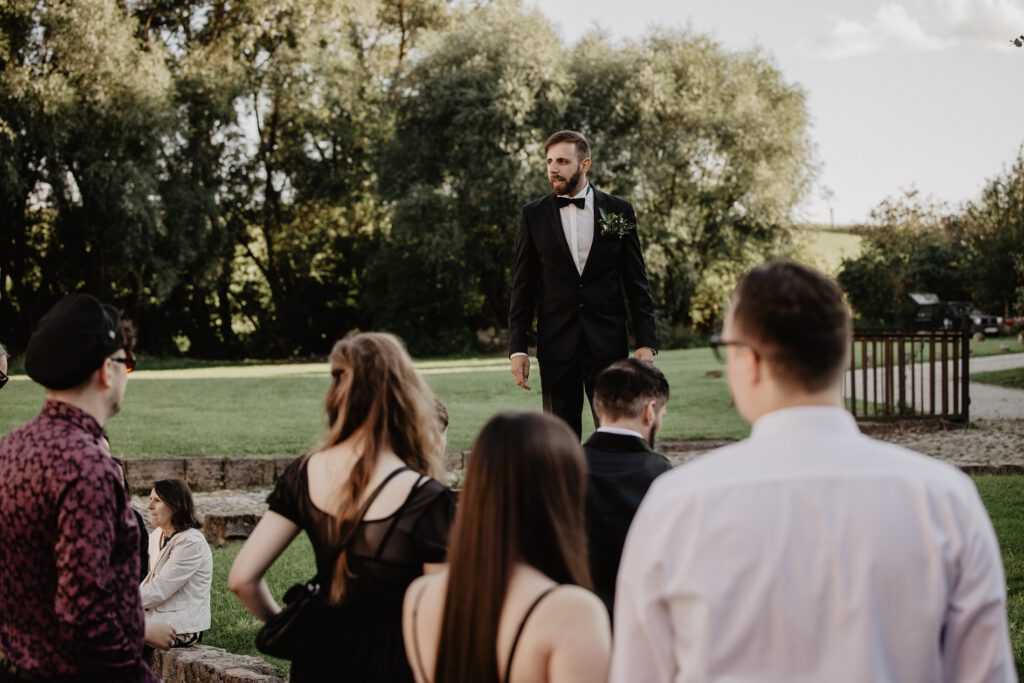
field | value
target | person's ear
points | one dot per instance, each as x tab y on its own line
105	374
585	165
650	414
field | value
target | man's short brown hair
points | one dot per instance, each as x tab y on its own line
795	317
582	146
625	387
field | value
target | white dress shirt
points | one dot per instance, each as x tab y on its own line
811	553
177	589
578	226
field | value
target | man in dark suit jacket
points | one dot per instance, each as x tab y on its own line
630	397
578	264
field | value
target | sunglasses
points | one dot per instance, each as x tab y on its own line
128	361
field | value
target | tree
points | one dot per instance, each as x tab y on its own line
83	109
472	115
911	245
992	230
712	147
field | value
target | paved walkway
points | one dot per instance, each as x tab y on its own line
988	402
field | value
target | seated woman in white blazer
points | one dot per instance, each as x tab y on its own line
177	589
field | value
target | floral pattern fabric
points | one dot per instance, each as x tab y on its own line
69	560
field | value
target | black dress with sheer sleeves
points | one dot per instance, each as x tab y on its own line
360	639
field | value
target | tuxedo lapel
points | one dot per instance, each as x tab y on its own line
555	218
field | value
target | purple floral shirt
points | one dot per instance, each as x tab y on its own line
69	553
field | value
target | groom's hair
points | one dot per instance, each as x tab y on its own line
582	147
797	319
625	387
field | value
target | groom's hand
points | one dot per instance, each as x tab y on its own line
645	354
521	371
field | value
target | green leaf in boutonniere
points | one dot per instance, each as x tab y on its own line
615	225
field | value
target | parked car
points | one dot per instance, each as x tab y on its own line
991	325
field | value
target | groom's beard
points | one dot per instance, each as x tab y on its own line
561	186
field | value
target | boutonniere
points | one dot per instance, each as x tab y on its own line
615	225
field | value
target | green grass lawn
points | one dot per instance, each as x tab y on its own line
1004	499
1012	378
234	628
277	409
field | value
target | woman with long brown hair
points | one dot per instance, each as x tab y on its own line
376	518
513	606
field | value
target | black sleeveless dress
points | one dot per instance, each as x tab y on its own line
361	638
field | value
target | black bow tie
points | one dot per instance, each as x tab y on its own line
580	202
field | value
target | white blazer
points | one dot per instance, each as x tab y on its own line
176	591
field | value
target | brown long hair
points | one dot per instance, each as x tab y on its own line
176	495
375	386
522	502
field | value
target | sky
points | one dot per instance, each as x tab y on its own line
925	94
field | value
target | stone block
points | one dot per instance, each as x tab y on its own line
218	529
205	664
204	474
242	472
280	464
454	460
142	472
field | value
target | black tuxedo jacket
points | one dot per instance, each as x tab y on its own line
571	306
620	469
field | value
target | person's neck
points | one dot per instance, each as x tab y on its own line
633	424
87	401
789	397
579	188
168	531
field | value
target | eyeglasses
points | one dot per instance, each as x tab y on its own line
716	342
128	361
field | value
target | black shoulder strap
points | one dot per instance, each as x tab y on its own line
519	633
362	511
398	516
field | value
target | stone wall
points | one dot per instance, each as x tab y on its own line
205	664
204	473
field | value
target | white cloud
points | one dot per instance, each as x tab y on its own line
936	25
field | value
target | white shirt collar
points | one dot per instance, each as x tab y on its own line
585	192
622	432
804	420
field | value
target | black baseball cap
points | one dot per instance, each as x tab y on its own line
71	341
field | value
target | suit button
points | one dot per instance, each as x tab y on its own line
581	285
581	305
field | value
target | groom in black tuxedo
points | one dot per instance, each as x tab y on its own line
578	265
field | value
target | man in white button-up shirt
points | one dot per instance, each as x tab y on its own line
808	552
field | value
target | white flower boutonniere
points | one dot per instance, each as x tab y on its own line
615	225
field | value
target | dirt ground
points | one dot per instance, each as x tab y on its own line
984	442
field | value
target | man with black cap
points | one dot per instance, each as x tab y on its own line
69	597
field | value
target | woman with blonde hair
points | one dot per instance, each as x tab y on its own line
514	604
376	518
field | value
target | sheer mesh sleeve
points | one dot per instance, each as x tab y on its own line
430	535
284	499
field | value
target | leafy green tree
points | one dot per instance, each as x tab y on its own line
473	112
911	245
83	110
712	147
993	242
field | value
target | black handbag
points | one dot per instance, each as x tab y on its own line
283	631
